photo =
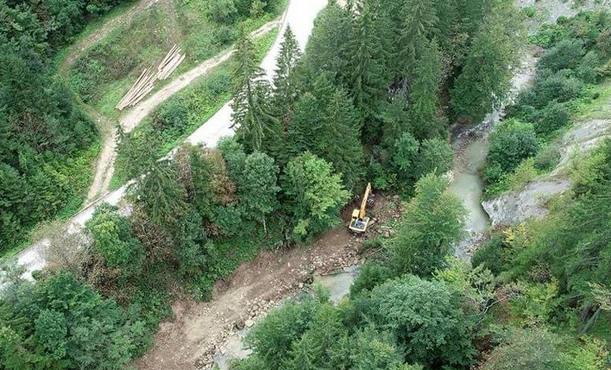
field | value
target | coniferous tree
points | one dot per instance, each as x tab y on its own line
395	120
326	124
425	91
486	74
285	87
326	51
366	76
419	24
251	116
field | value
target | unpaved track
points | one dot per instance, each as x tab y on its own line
105	165
189	341
198	329
101	33
134	116
300	15
104	168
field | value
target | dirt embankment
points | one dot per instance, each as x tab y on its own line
190	340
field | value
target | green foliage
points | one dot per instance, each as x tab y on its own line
314	195
320	117
436	156
486	74
524	173
223	11
61	323
113	239
371	275
255	176
547	159
551	118
491	255
535	303
251	104
285	84
561	86
271	340
425	91
424	320
565	55
535	348
510	143
431	223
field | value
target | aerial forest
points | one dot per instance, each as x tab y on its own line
372	98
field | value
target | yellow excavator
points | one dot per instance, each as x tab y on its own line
360	221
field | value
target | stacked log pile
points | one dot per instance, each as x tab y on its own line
146	82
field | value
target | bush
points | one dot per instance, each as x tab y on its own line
524	173
561	86
490	255
493	173
371	275
535	348
554	116
511	143
565	55
171	116
548	158
587	69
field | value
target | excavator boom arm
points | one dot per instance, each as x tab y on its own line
363	210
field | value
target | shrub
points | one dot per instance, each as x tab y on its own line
554	116
171	116
511	143
587	69
548	158
524	173
371	275
490	254
535	348
565	55
493	173
561	86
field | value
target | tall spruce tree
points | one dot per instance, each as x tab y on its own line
366	76
326	123
285	89
326	51
252	118
419	24
486	74
424	93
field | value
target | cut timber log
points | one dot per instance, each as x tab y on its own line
146	81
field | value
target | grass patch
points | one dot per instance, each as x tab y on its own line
598	106
187	110
102	74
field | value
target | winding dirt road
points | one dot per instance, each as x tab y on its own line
299	15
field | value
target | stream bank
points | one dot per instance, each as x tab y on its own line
470	150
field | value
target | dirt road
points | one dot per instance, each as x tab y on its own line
132	118
299	15
190	340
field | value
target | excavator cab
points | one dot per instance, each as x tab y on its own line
360	221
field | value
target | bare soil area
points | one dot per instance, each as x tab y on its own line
198	329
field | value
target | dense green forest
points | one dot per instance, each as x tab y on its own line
46	140
536	295
370	99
